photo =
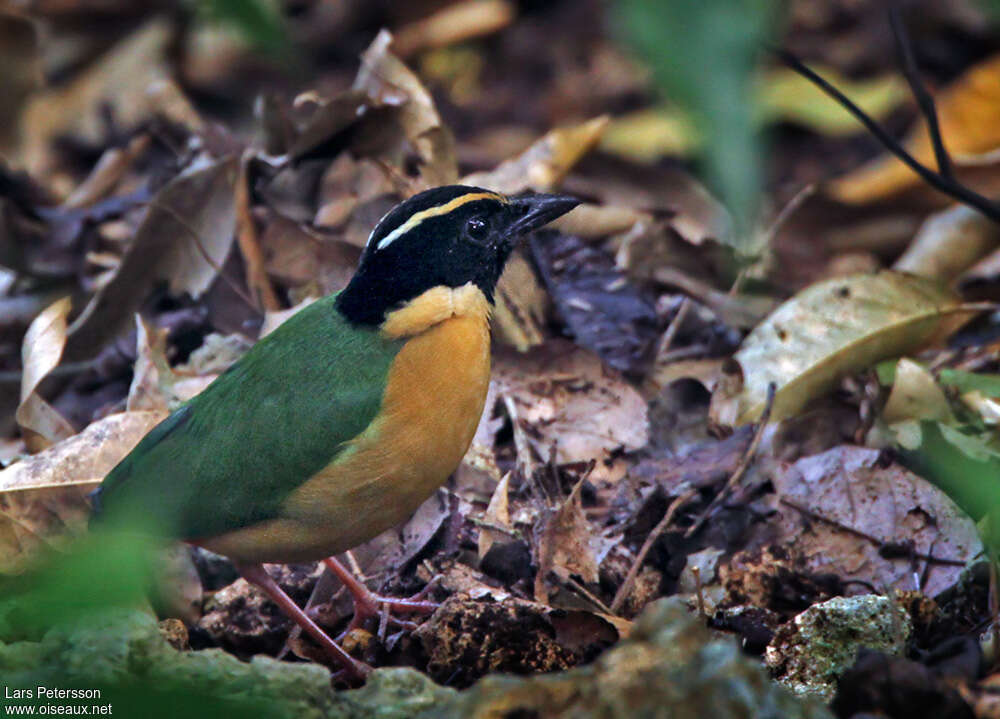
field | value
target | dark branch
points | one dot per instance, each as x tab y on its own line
924	99
947	185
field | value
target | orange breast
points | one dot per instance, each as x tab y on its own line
433	401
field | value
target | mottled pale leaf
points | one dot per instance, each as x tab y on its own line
831	329
564	399
853	487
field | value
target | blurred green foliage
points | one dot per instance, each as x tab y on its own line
704	56
79	620
259	21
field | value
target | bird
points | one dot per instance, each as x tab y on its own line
341	422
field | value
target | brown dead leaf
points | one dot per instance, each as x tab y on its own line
522	304
246	234
118	84
829	330
41	424
183	239
42	498
969	117
564	399
20	59
152	379
851	486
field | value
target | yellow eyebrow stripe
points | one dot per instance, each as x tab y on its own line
444	209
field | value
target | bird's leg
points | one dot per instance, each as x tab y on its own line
366	603
257	575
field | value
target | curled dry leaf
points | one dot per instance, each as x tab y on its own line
183	239
969	117
915	396
41	424
564	397
829	330
948	243
42	498
382	72
850	486
543	165
522	305
498	514
565	546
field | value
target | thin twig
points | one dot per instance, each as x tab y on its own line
667	340
745	461
633	571
696	571
943	184
924	99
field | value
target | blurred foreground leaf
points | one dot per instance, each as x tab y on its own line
703	55
965	466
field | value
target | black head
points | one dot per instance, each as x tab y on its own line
450	236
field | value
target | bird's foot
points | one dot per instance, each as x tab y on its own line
367	604
353	671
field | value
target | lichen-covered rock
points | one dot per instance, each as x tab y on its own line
670	667
808	654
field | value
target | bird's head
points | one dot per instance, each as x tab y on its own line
445	237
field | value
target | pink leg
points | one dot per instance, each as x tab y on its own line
256	574
366	603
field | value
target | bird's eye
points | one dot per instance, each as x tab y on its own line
477	229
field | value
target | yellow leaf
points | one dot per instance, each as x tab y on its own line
969	115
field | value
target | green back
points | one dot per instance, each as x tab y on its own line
230	456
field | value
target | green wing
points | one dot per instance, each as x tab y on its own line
230	456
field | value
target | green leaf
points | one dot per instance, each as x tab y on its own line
988	384
965	466
259	21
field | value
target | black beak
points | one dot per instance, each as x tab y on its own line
534	211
